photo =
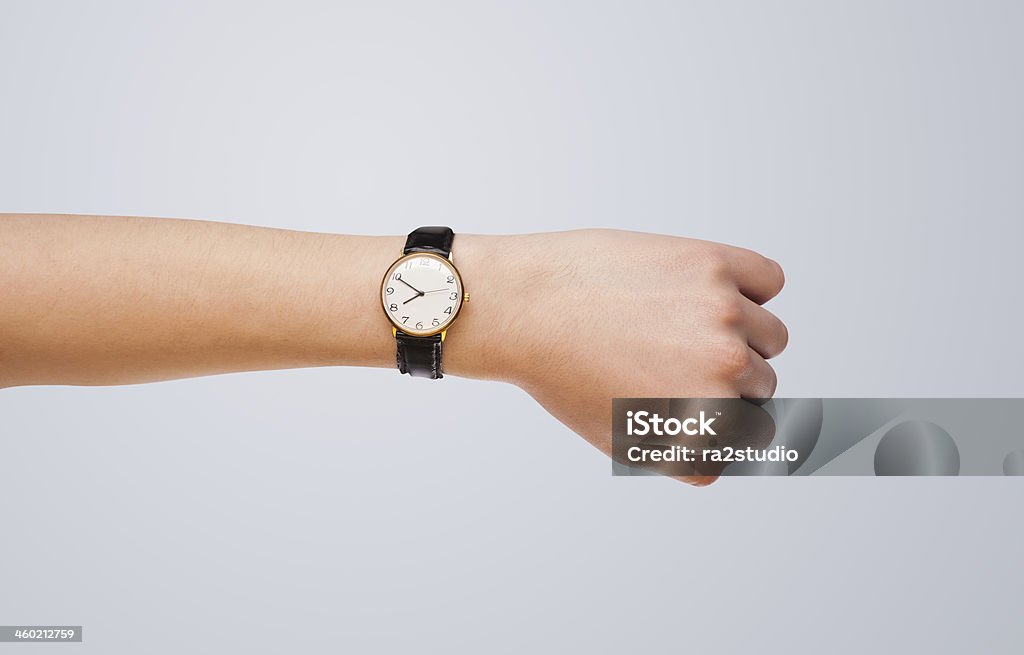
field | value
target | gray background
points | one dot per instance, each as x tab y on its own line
875	148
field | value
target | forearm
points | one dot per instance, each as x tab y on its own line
574	318
113	300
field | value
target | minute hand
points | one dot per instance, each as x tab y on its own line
423	293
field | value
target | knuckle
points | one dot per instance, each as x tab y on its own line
716	262
732	357
727	309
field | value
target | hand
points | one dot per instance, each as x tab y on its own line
578	318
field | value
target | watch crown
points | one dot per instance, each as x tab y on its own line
465	297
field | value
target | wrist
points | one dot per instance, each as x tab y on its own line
483	342
491	337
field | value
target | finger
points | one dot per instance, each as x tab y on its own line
757	277
766	334
759	381
696	480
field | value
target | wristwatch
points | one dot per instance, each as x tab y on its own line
422	294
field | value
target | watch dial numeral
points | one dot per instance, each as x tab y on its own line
424	287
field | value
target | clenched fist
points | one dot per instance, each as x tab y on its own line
578	318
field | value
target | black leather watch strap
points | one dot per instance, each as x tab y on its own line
421	356
434	238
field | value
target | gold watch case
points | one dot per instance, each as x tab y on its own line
463	296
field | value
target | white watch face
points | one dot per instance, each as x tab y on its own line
422	294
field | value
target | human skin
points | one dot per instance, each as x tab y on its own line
574	318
